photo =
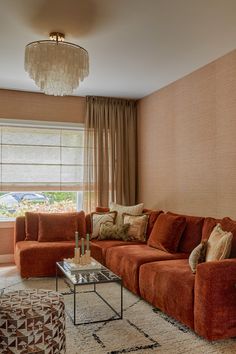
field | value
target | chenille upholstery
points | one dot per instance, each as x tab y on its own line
169	285
38	259
99	248
204	301
125	261
192	233
215	299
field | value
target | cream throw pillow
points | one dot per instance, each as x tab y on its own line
97	219
138	226
219	244
121	209
198	255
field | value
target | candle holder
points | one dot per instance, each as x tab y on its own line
77	255
81	259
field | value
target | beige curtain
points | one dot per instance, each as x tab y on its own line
110	152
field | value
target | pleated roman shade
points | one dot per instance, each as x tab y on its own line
40	158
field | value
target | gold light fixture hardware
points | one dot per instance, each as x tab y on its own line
57	36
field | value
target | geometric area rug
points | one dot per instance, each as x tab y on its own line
142	330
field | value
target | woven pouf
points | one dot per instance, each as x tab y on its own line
32	321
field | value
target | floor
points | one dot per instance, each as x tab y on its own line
8	275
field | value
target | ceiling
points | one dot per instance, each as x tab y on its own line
135	46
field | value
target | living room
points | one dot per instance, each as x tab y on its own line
171	68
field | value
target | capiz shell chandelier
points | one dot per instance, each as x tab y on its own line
56	66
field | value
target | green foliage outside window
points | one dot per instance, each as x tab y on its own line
56	202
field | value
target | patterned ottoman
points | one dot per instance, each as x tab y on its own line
32	321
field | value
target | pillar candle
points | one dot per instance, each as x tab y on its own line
82	246
76	239
87	242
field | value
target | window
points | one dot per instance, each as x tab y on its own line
41	167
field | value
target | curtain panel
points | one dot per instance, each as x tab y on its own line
110	152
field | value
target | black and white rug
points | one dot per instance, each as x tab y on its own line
142	330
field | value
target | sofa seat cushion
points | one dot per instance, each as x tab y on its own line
38	259
99	248
126	260
169	285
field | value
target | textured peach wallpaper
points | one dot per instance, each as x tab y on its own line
187	143
37	106
6	240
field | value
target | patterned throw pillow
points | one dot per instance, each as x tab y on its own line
138	226
114	232
198	255
121	209
97	219
219	244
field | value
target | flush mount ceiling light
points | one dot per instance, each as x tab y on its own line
56	66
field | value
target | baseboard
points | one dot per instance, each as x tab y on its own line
7	258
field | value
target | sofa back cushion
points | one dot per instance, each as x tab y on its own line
192	233
100	209
31	226
60	226
167	232
227	224
153	215
208	226
19	229
53	222
230	226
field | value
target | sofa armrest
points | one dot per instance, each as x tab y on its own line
215	299
19	229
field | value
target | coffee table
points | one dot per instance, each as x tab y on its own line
94	277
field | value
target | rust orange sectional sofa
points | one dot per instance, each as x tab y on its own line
205	301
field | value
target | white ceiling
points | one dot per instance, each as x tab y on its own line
135	46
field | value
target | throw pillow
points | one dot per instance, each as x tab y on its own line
101	218
138	226
114	232
57	226
192	233
219	244
198	255
120	209
31	226
167	232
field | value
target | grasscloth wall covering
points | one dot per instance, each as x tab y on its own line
187	143
37	106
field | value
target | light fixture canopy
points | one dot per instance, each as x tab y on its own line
56	66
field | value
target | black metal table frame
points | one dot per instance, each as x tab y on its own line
74	292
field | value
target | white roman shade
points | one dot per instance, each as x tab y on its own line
41	158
